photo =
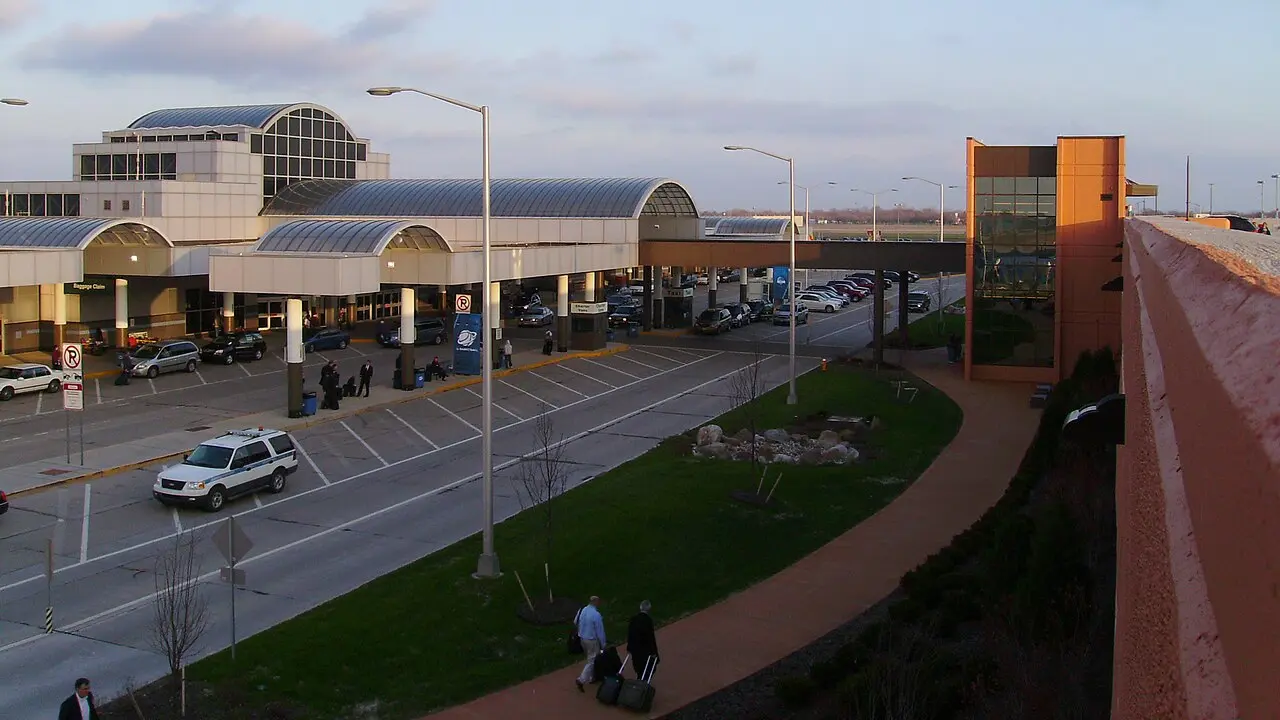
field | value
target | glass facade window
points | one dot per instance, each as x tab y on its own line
155	166
1014	271
305	144
40	205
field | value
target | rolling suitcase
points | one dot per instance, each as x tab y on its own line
637	695
607	663
611	685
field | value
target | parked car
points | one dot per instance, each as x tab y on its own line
870	277
829	293
760	310
235	463
537	317
713	321
818	302
4	503
738	316
28	377
525	302
228	348
729	276
864	283
782	316
704	279
918	301
855	293
326	339
913	276
892	276
162	357
624	315
427	331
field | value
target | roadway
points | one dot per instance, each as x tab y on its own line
373	493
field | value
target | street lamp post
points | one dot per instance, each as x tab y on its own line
487	566
1262	199
875	234
792	398
1211	197
807	231
1276	177
942	222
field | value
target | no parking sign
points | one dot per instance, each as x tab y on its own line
462	303
73	378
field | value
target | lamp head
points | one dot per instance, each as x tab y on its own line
734	147
383	91
13	101
912	177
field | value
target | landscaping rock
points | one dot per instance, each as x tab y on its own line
853	455
766	453
709	434
828	439
784	459
719	451
836	454
812	456
732	441
776	435
743	435
876	423
848	435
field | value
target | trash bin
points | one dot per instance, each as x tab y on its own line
633	330
309	403
419	377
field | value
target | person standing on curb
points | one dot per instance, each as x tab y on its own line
366	378
80	706
591	632
642	641
506	355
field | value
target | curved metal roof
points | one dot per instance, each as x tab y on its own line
349	237
522	198
752	226
251	115
67	233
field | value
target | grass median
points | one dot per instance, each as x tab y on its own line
661	527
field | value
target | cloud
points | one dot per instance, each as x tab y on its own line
16	13
229	47
623	55
739	65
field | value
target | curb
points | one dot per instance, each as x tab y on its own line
290	427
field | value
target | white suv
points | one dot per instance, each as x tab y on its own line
235	463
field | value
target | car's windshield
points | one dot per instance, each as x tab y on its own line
10	373
209	456
627	310
147	352
709	315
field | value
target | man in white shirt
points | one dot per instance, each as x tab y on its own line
591	632
80	705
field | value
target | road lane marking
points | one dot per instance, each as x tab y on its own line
305	456
177	521
320	355
448	487
39	401
202	380
553	406
623	356
593	379
654	354
454	415
84	525
360	440
682	352
413	429
495	404
245	369
257	500
97	390
544	378
280	357
152	383
610	367
357	476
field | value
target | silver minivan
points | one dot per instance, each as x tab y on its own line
154	358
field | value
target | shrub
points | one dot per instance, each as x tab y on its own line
795	690
906	611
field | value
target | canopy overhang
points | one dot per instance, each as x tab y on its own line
23	268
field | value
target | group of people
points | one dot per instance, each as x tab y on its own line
642	640
335	390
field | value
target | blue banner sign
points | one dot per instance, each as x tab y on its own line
781	277
468	343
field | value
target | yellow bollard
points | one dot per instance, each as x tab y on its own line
824	364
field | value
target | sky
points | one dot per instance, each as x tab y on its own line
859	94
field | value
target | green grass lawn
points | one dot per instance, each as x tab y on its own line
661	527
928	332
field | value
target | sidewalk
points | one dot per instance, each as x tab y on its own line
716	647
99	462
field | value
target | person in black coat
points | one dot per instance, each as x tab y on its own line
642	641
81	705
366	378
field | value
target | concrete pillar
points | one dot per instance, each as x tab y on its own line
250	321
742	285
228	311
121	339
351	311
646	315
904	320
408	303
443	295
294	354
713	282
495	323
562	313
877	319
59	314
589	290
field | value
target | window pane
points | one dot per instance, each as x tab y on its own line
71	205
268	187
1046	205
1002	186
86	167
268	165
1026	205
1025	185
1002	203
231	137
181	138
329	169
269	145
361	148
330	129
151	163
306	129
119	166
255	143
104	166
53	205
306	167
148	138
1048	186
20	204
295	126
295	166
164	138
328	148
295	146
133	166
982	204
351	170
36	205
169	165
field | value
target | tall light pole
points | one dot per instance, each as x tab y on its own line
1262	199
792	398
1211	197
807	231
13	101
487	566
875	234
1276	177
942	222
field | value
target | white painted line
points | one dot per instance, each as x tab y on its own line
654	354
257	500
517	388
352	348
39	401
623	356
177	521
305	456
413	429
84	525
72	627
607	367
473	392
454	415
576	372
366	445
202	380
97	390
152	383
357	476
544	378
322	357
280	357
245	369
682	352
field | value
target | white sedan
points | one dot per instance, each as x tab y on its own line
28	377
818	302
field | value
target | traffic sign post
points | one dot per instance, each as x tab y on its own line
73	392
462	303
234	545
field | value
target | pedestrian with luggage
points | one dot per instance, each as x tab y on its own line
642	640
366	378
591	632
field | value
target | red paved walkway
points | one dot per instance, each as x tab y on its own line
754	628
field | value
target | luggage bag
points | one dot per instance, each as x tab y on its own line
611	685
638	695
607	663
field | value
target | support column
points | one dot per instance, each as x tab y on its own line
443	295
408	303
877	319
742	285
59	315
351	311
228	310
589	289
713	282
121	339
293	355
495	323
904	320
646	316
562	313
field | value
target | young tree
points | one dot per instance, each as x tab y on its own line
745	388
181	611
541	477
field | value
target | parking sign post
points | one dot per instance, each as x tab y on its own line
73	392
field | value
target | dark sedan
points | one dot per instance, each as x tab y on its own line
712	321
738	315
623	316
760	310
226	349
326	339
537	317
918	301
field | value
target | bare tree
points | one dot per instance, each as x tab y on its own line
745	388
541	477
181	611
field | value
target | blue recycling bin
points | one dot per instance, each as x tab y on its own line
309	403
419	377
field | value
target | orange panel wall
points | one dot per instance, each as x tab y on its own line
970	230
1089	228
